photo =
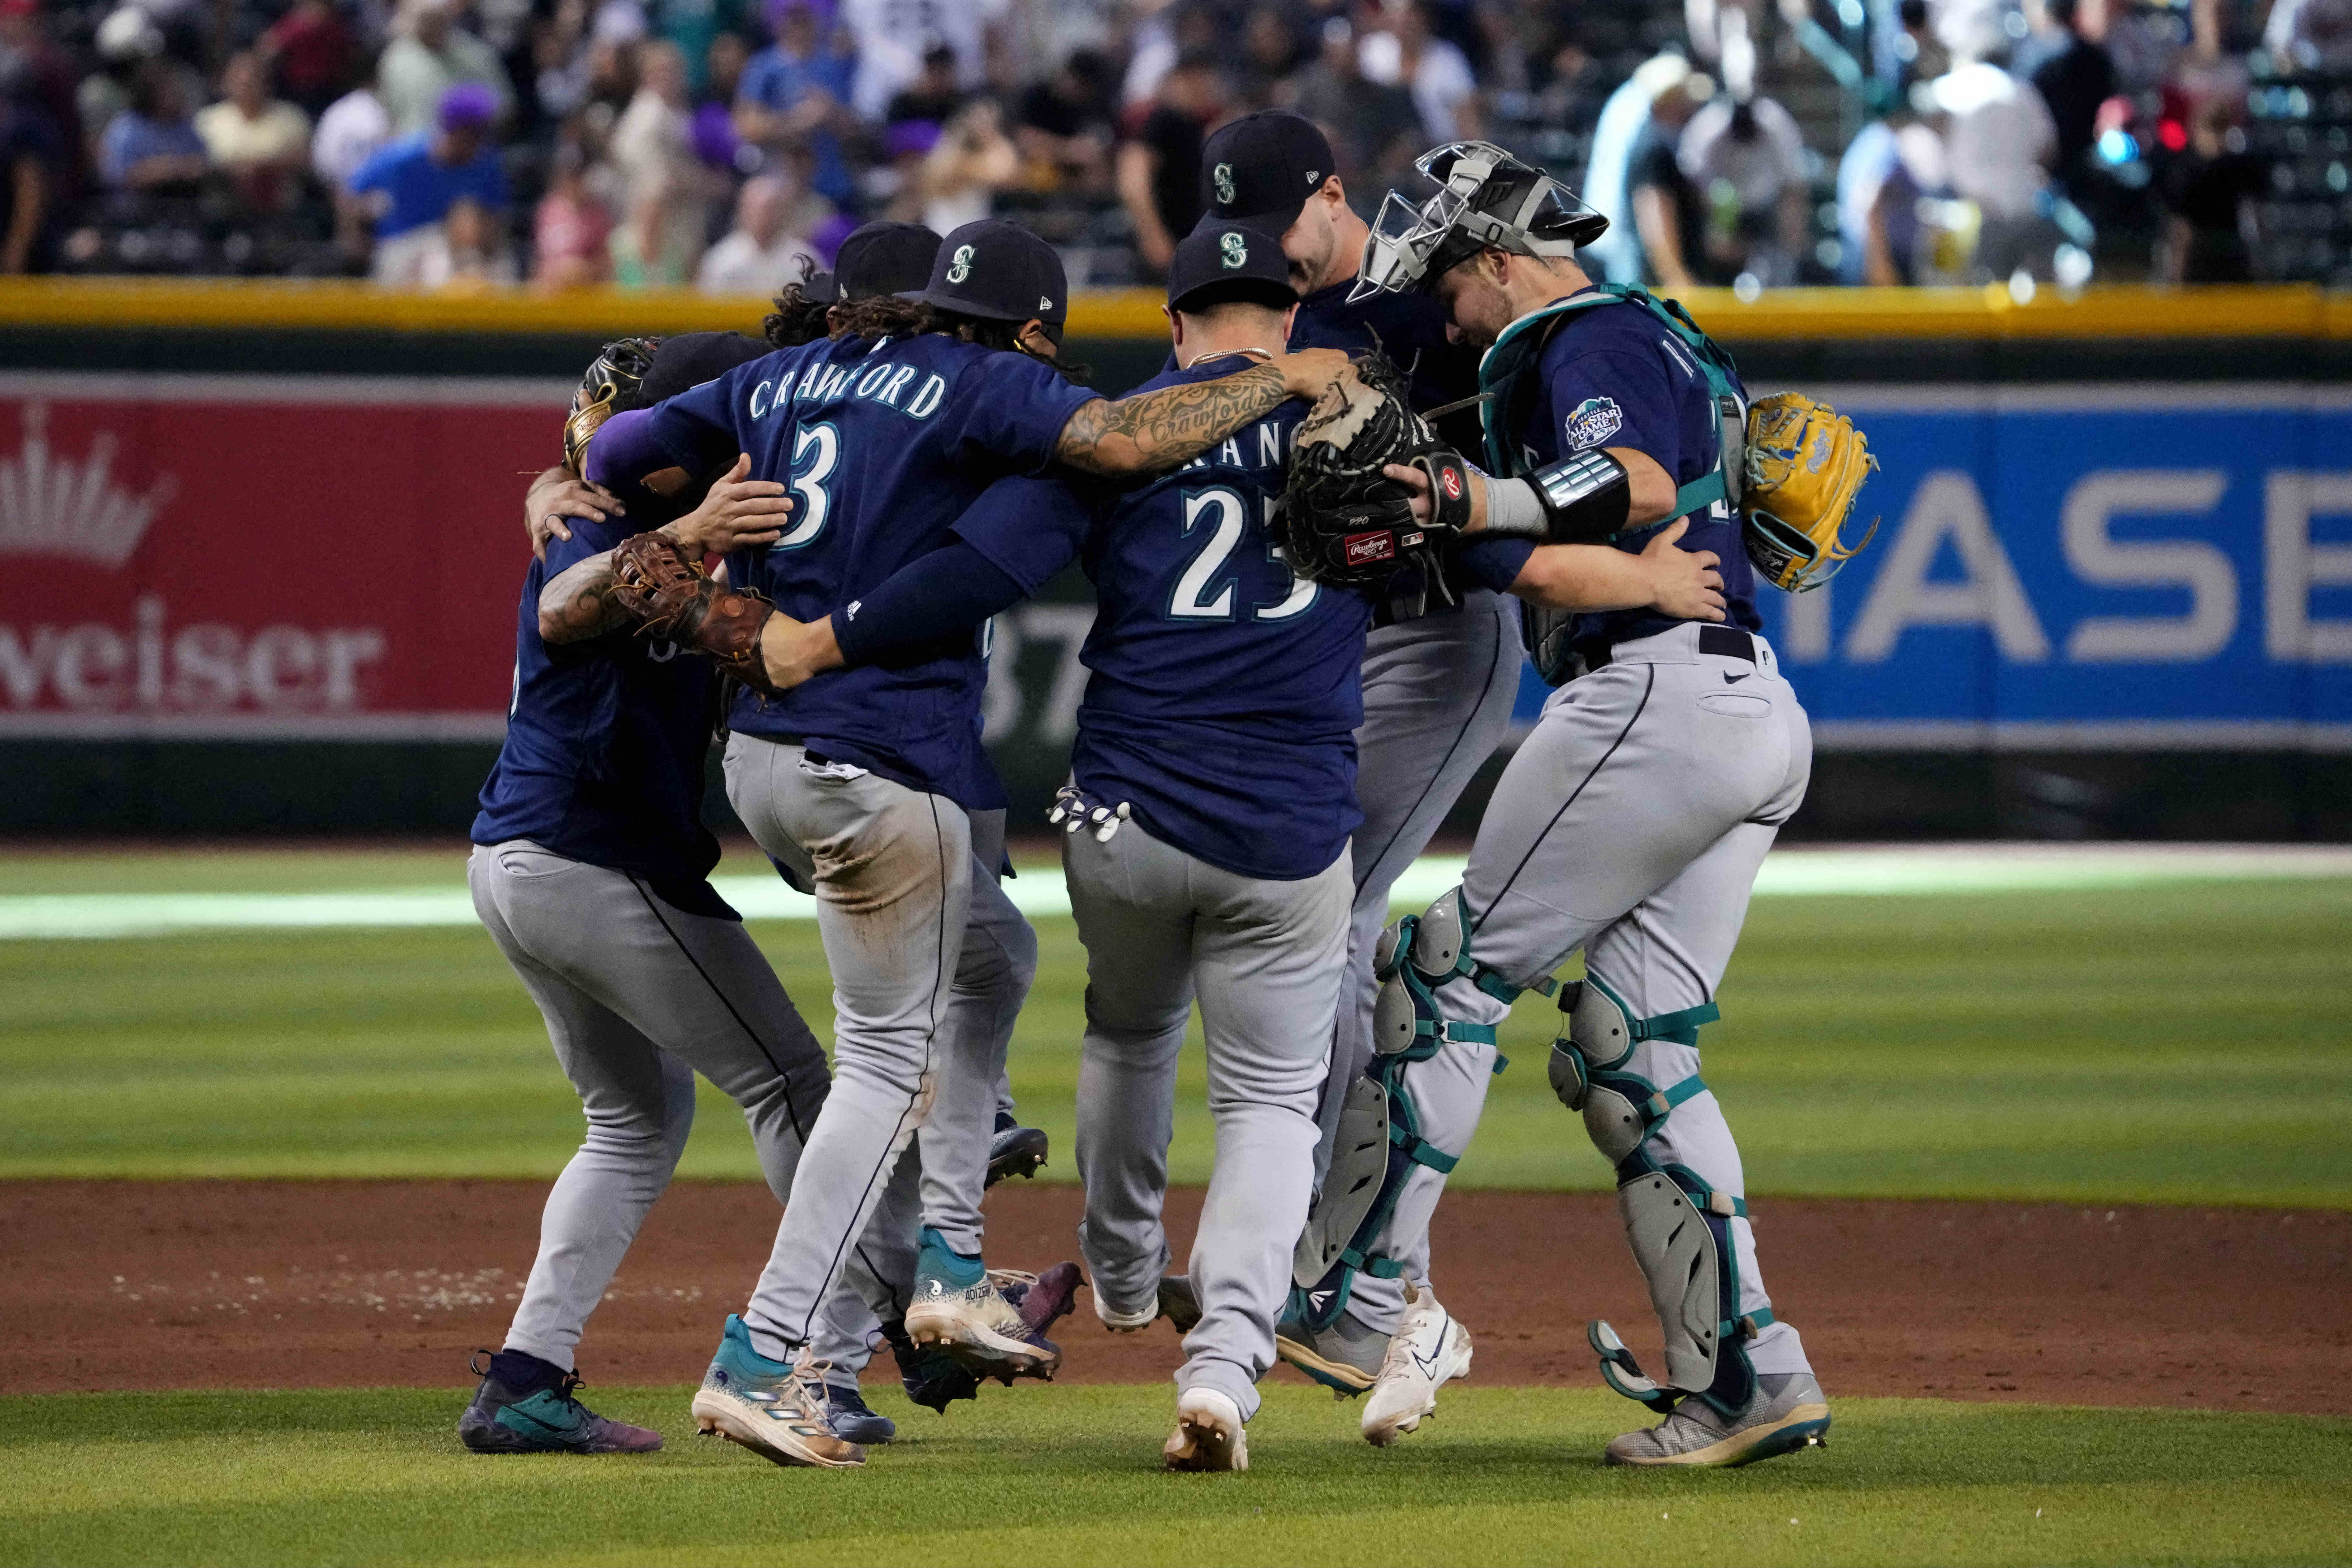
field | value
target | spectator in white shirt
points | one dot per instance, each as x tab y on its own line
431	54
1409	53
758	256
1748	161
258	141
892	36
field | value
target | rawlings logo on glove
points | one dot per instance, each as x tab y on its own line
1344	520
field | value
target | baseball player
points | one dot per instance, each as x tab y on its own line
1211	800
1631	824
1441	673
875	260
592	877
860	779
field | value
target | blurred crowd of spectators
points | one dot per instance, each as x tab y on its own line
724	144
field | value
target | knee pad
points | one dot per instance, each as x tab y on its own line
1380	1140
1622	1110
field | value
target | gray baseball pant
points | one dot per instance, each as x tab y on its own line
1632	823
993	977
1265	958
892	870
638	996
1438	694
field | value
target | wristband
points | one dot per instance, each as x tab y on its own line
1586	498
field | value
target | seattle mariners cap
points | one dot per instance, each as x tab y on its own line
1000	272
1259	170
690	359
878	259
1221	261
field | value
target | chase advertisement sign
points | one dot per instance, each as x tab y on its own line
2086	567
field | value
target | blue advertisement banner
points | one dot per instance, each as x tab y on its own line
2095	566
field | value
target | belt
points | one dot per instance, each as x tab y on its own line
1729	642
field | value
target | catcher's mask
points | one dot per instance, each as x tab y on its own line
1487	198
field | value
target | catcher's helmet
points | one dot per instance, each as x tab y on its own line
1487	198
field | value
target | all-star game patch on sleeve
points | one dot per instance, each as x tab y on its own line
1614	399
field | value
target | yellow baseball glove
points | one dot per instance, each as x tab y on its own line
1805	468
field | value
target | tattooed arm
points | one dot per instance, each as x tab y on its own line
578	604
1160	429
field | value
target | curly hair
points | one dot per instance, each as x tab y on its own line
887	316
797	319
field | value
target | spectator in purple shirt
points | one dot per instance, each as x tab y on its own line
417	180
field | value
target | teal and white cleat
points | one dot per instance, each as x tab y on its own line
1789	1412
536	1414
960	1307
777	1409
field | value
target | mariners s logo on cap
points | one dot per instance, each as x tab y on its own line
960	268
1224	178
1230	248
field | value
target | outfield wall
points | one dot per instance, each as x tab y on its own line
263	548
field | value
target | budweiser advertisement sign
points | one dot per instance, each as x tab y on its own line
306	557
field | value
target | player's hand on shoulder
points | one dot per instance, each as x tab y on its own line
1686	582
557	494
737	511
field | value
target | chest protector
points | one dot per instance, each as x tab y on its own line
1510	388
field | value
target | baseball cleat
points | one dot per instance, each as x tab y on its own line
1208	1434
1429	1350
1174	1301
1042	1300
542	1417
932	1378
1178	1304
959	1308
1789	1412
1015	1150
854	1421
777	1409
1345	1357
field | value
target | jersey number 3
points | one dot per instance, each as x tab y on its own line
816	452
1205	591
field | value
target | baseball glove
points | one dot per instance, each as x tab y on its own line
1805	468
1344	520
614	382
670	597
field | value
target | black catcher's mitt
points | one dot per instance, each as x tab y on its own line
612	384
1344	521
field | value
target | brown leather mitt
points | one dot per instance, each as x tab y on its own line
670	597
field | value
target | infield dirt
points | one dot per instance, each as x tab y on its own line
157	1285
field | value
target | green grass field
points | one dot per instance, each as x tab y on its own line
2182	1043
1071	1475
2168	1041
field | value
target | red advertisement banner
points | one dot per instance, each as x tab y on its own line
251	556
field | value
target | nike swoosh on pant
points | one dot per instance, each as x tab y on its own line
1733	679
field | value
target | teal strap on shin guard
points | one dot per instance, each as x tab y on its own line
1421	1152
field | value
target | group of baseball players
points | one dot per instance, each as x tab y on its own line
1313	611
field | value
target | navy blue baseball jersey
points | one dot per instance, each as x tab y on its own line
883	446
1613	375
606	743
1225	691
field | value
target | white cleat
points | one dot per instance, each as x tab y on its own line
1208	1434
1429	1349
